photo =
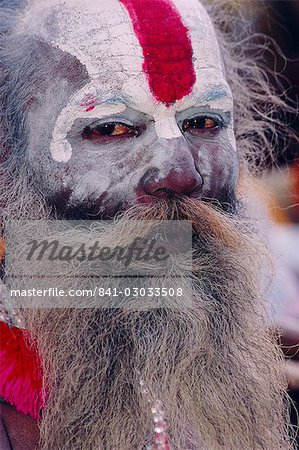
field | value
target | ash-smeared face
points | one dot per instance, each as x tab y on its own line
152	116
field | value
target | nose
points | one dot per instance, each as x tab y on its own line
176	176
177	181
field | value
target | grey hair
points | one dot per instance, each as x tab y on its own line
263	111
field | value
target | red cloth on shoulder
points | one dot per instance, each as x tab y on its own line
20	371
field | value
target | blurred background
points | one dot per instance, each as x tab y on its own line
277	190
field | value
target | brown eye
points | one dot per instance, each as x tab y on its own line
110	129
200	123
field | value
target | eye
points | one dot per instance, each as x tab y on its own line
201	123
109	129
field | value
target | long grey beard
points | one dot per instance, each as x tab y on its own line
213	363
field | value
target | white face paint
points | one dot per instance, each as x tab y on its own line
101	36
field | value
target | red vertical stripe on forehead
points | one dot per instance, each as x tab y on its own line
166	48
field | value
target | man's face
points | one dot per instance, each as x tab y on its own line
149	116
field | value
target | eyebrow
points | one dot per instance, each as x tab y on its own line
116	100
217	93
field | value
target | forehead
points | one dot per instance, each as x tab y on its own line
164	49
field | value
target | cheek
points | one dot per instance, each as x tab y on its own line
111	170
218	164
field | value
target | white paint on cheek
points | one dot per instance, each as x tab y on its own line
94	184
60	148
166	123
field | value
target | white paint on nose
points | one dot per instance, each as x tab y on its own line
165	123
